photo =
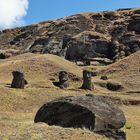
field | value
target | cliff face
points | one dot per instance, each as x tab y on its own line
110	34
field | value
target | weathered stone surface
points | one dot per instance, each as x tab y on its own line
18	80
114	86
104	77
94	73
63	79
90	111
134	26
79	36
87	82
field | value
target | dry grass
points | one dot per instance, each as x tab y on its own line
133	121
126	71
18	107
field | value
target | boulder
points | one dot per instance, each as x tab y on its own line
104	77
92	112
114	86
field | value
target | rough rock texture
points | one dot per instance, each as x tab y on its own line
104	77
18	80
90	111
114	86
109	34
63	79
87	82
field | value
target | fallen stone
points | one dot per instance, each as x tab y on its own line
92	112
114	86
104	77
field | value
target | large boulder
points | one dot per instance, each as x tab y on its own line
90	111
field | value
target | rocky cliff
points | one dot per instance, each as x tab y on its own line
109	34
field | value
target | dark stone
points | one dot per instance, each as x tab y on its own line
117	135
18	80
87	83
114	49
2	56
63	79
97	16
92	112
114	86
134	26
112	15
87	62
94	73
26	82
104	77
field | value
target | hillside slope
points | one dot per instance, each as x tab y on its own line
38	67
111	34
126	71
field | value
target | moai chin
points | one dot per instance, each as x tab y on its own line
87	83
63	79
18	80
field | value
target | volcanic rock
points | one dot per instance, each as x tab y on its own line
83	35
90	111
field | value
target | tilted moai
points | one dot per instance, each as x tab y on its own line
87	83
63	79
18	80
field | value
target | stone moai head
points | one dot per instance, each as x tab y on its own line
87	83
18	80
63	76
63	79
17	74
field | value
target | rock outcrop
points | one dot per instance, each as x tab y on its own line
90	111
108	34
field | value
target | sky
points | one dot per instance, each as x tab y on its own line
15	13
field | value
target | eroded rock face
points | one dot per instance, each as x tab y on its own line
83	35
18	80
90	111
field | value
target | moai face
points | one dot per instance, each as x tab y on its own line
17	74
63	76
87	83
87	75
18	80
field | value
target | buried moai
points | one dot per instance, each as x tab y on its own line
63	79
18	80
87	82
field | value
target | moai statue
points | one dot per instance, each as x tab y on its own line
63	79
87	83
18	80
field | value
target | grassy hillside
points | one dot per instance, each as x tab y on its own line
19	106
